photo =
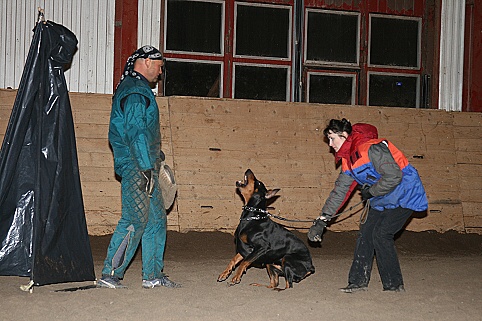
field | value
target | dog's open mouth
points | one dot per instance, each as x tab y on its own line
242	183
248	175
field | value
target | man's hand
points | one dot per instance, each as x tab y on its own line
315	233
365	193
147	182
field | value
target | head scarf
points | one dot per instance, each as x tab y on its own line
143	52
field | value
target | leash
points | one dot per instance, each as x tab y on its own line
364	213
268	214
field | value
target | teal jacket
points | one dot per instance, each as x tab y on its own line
134	130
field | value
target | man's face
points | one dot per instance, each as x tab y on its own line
154	69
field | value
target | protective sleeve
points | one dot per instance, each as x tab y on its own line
385	165
136	129
337	195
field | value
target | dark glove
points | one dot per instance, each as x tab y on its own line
365	193
315	233
147	182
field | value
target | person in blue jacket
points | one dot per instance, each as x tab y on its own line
393	188
134	134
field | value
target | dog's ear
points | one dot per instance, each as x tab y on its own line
271	193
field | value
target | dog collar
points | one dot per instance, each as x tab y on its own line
257	217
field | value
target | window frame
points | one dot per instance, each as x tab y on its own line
260	4
419	41
260	65
211	62
194	53
331	63
333	73
387	73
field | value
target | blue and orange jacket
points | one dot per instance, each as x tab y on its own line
408	194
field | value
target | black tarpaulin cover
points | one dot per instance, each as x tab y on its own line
43	231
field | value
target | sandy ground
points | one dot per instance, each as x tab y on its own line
442	272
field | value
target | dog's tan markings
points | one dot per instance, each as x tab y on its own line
273	273
240	271
232	264
244	238
273	276
308	273
247	191
247	187
286	287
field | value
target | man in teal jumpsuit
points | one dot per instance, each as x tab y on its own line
134	134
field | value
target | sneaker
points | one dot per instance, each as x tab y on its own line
164	281
351	288
110	282
399	288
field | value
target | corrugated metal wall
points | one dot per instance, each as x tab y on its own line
149	31
92	22
149	25
451	55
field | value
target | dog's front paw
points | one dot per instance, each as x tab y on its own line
235	280
223	276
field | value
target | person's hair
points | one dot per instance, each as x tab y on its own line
338	126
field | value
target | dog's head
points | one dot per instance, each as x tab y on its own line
253	191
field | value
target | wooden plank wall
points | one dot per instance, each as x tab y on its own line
211	142
468	137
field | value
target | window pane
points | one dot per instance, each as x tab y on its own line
394	42
332	37
262	31
194	26
261	83
192	79
393	90
330	89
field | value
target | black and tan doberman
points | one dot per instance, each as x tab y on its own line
263	242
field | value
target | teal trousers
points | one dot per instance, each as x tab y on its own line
143	219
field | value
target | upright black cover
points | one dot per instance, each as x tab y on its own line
43	231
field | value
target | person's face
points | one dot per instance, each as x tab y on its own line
336	140
154	69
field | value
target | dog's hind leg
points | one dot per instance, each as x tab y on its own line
286	287
231	266
288	267
287	279
274	272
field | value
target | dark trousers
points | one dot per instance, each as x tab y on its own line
376	238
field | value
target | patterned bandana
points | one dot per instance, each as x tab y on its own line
143	52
